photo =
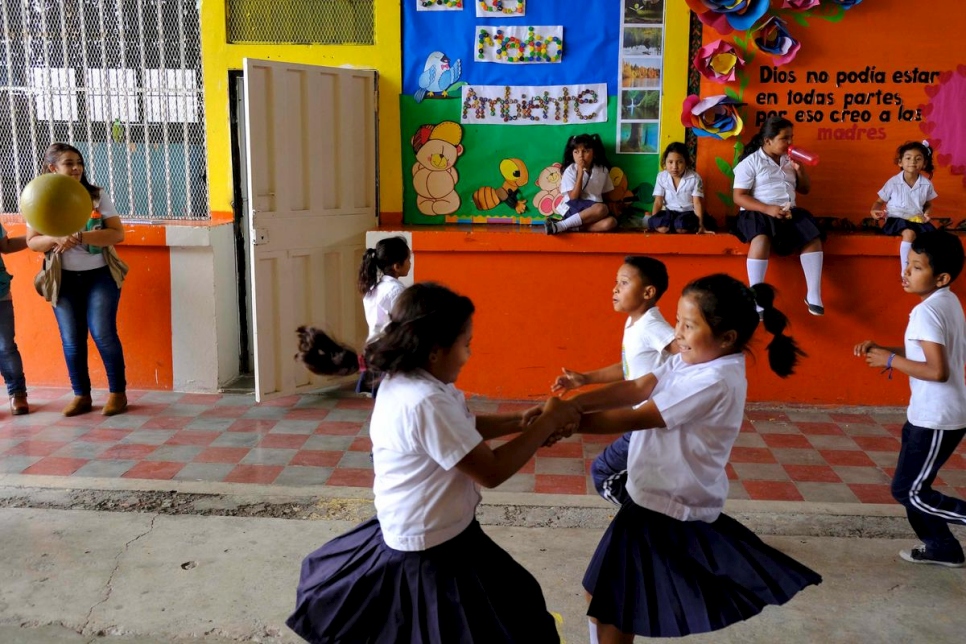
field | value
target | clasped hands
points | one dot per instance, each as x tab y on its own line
564	415
62	244
875	356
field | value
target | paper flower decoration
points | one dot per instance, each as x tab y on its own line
725	16
847	4
801	5
773	38
718	61
715	116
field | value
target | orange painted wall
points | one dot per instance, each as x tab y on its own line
889	35
144	317
545	302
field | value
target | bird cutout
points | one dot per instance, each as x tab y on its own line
515	175
117	131
438	77
549	197
434	176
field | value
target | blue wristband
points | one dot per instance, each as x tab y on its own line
889	361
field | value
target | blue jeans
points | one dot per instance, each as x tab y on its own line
11	366
609	471
923	452
88	301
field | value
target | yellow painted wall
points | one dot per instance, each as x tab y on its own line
677	18
218	57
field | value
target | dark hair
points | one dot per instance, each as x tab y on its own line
387	253
927	165
591	141
729	305
426	316
943	250
771	128
52	156
324	356
653	271
681	149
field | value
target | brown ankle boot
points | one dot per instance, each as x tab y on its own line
116	404
79	405
18	405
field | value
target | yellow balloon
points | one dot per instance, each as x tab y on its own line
56	205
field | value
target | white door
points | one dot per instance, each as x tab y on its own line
311	150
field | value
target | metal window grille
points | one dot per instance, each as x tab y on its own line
118	79
311	22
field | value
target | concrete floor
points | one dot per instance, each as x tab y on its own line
84	576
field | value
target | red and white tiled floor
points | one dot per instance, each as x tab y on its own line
783	453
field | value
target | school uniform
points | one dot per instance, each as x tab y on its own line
678	213
773	184
644	348
595	183
904	202
671	564
421	570
935	425
377	305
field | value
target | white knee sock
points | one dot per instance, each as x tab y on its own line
904	248
574	221
812	266
756	270
593	632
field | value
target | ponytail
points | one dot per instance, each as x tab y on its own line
783	351
386	254
771	128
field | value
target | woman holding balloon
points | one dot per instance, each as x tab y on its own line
89	289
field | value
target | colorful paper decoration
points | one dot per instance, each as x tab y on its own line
773	38
548	105
718	61
503	44
715	116
501	8
439	5
725	16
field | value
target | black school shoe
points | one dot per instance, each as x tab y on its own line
815	309
550	227
920	556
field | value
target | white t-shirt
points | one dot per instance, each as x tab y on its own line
938	405
645	343
594	186
680	199
420	430
679	470
905	202
770	183
78	258
378	304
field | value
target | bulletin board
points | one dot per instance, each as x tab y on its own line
493	89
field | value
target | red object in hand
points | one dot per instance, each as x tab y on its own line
802	156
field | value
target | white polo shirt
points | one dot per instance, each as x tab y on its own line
594	186
939	318
645	343
378	304
770	183
420	430
680	199
679	470
904	201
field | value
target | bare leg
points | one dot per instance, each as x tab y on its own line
814	246
760	247
662	229
602	226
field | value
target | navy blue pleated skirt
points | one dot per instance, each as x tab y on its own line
895	226
787	235
674	221
659	577
355	590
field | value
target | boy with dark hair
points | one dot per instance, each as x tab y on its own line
934	358
648	342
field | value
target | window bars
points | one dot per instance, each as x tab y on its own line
118	79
